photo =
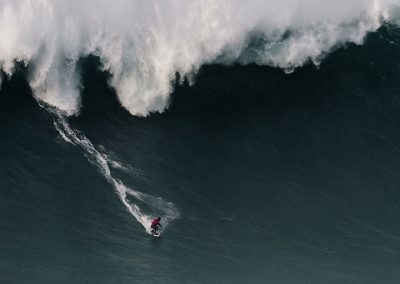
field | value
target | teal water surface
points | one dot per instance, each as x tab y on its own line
278	178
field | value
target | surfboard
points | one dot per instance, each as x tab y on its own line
154	234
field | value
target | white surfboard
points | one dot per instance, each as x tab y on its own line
154	234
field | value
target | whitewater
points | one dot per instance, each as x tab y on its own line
148	46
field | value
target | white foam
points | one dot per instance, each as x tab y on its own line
144	44
167	209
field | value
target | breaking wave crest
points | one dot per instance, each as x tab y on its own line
146	45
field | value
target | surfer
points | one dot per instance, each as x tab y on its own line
154	225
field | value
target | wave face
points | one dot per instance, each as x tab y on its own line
276	178
146	45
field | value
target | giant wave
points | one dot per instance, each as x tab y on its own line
146	46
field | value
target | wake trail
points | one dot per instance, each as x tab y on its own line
166	209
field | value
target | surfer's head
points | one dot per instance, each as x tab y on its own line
159	218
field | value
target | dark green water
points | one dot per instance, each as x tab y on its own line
277	178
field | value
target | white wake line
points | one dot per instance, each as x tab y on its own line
102	161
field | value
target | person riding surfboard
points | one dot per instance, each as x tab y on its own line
154	225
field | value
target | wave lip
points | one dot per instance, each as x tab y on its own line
144	45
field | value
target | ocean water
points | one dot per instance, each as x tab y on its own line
260	174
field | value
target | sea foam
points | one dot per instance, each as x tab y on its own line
144	45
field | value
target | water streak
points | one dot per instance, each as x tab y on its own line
103	162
